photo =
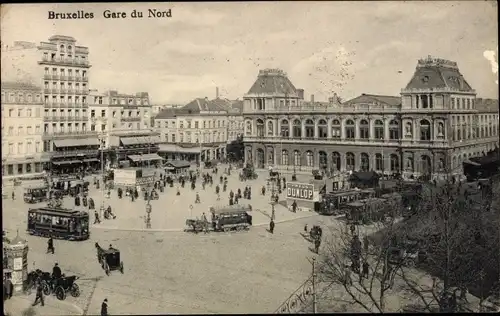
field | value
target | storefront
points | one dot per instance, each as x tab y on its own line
75	155
176	152
145	160
177	166
134	146
24	167
305	195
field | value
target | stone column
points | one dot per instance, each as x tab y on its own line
16	253
303	127
316	131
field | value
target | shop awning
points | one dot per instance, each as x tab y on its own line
137	140
76	142
171	148
177	164
91	160
146	157
66	162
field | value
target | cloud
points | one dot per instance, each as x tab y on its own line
490	56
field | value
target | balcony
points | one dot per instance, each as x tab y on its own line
81	50
63	90
47	91
63	77
49	135
85	91
78	79
70	78
71	91
64	62
131	119
319	141
47	77
85	79
72	153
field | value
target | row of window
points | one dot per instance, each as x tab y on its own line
129	113
63	99
21	168
260	103
65	127
12	131
195	137
21	148
61	88
22	112
62	72
481	118
462	103
122	101
349	129
21	98
350	161
65	58
467	132
190	124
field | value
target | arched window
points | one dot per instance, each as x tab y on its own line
284	157
349	130
379	162
309	158
364	129
61	47
394	163
297	128
270	128
350	161
425	130
296	158
336	162
285	129
365	162
248	131
393	130
322	129
336	129
323	159
309	128
260	128
379	130
426	164
69	48
409	165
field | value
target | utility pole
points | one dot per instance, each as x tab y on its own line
315	303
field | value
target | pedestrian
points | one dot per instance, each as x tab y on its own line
353	229
97	220
271	227
13	196
50	245
366	267
305	228
39	294
263	190
294	206
104	307
9	287
317	243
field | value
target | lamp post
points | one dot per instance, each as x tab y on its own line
101	145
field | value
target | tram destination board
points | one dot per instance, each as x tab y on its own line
300	191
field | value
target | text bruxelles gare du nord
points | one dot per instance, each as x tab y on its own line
108	14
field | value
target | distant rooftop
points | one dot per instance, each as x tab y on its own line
62	38
199	105
487	105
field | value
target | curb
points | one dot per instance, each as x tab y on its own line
176	230
50	303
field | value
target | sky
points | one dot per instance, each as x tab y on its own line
346	48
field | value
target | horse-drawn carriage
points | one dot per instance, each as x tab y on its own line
196	225
109	259
248	173
59	287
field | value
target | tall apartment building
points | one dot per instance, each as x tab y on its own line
123	121
22	124
428	130
62	68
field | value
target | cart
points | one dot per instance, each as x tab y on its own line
109	259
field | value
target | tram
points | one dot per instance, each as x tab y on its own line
59	223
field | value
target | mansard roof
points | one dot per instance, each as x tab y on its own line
436	73
273	82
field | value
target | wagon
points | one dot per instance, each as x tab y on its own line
61	286
109	259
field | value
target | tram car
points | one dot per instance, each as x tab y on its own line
59	223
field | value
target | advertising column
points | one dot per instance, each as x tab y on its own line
303	194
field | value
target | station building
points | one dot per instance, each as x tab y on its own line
429	129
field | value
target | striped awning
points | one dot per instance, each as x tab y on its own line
76	142
137	140
146	157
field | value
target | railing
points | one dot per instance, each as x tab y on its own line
78	78
85	91
71	91
64	61
46	90
67	133
325	109
288	140
78	91
47	77
63	90
70	78
131	119
81	50
75	152
85	79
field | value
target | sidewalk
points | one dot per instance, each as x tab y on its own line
20	306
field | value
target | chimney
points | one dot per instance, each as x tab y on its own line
216	92
312	98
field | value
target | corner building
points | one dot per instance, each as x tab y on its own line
418	133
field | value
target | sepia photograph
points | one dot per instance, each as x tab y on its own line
187	157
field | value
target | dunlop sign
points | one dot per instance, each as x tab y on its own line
302	191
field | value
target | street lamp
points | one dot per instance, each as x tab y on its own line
101	145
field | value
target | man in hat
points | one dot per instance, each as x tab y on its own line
50	245
271	227
104	307
39	293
